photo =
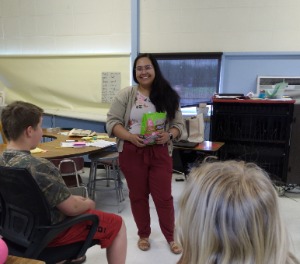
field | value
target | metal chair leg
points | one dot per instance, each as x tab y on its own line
112	173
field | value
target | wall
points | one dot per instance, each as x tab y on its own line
259	37
65	27
219	25
67	123
53	52
240	70
255	37
101	26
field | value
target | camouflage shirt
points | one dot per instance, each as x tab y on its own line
45	174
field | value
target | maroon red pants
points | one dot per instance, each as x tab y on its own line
148	170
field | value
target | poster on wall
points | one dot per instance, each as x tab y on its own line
111	84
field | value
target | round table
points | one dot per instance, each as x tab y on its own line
53	147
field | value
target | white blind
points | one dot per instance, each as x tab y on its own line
63	85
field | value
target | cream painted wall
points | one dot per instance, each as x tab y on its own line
65	26
219	25
101	26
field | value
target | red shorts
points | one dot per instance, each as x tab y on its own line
109	227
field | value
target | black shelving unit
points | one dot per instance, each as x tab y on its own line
293	174
254	131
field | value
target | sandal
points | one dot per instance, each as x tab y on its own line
144	244
175	248
74	261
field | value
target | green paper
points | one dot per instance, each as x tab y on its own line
278	89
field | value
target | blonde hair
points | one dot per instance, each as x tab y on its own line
229	214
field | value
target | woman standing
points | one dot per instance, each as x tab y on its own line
147	168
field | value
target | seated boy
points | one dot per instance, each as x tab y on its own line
22	127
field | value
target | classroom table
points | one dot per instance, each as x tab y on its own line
205	148
52	148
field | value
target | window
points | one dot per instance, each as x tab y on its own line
195	76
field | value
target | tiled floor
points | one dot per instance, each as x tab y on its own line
159	252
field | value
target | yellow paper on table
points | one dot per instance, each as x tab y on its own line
87	138
37	150
94	138
102	136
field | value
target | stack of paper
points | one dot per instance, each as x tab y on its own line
75	132
101	143
97	143
73	144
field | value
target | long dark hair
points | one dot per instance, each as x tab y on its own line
162	94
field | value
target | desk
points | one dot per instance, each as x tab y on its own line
54	150
19	260
205	147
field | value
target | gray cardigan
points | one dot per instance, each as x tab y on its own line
119	113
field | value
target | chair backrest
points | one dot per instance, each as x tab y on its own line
23	207
66	167
71	167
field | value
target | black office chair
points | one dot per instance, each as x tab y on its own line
25	220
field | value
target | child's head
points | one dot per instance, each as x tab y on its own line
17	116
229	214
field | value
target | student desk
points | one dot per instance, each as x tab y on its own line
187	154
210	147
54	150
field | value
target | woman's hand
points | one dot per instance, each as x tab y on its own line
136	140
122	133
163	137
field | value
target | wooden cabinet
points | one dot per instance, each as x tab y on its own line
255	131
